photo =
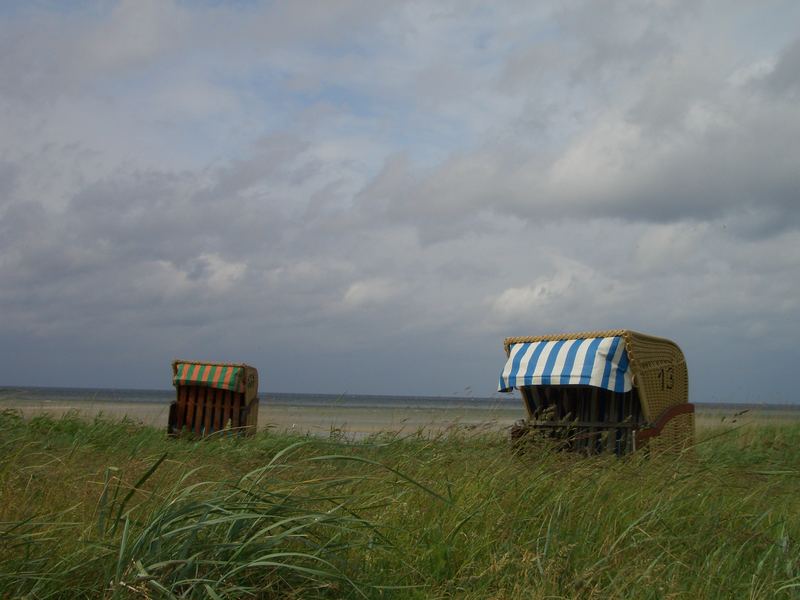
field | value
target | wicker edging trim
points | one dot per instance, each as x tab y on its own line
625	333
177	361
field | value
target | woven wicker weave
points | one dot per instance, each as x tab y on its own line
659	374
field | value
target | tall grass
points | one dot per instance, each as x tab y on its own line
112	509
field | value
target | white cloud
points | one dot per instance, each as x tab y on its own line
219	274
252	179
573	296
369	292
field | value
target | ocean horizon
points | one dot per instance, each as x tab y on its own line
46	394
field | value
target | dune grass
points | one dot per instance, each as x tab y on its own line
116	510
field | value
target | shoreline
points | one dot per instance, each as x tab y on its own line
315	420
360	420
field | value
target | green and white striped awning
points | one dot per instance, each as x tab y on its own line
220	376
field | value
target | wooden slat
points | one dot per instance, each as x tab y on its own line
227	411
200	405
595	414
191	400
622	434
585	419
172	418
237	403
181	409
570	401
209	410
216	422
203	410
252	418
615	413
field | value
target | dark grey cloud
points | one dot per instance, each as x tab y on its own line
8	180
368	197
784	79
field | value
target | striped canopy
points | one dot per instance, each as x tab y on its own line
224	377
600	362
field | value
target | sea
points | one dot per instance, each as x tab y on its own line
45	395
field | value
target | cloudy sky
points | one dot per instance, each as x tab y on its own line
367	197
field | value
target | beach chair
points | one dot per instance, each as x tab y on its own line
213	397
602	391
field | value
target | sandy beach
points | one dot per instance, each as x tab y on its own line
348	421
315	420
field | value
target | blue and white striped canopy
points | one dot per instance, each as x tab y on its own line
599	362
